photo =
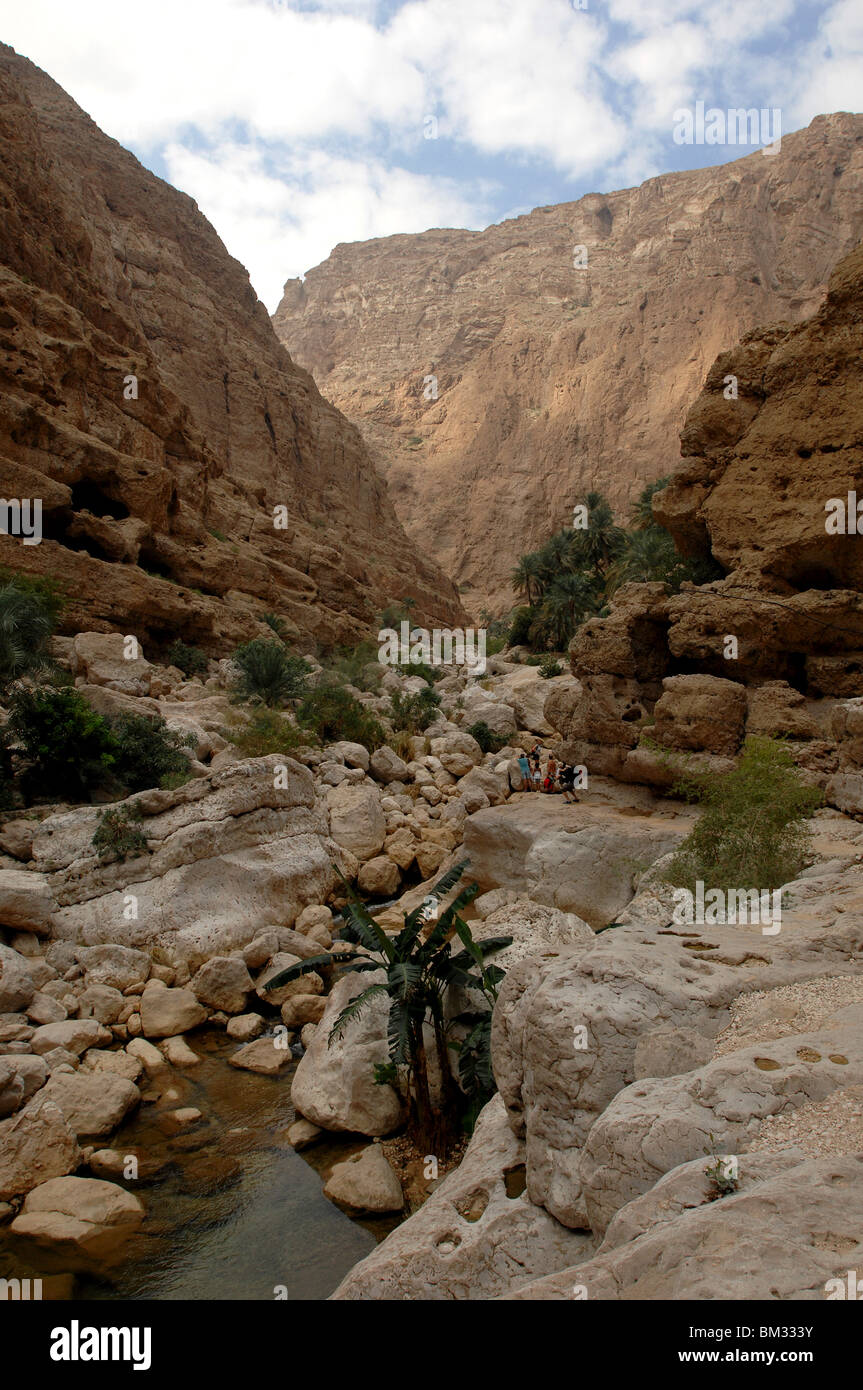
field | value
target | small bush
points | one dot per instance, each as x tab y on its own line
430	674
752	831
116	835
147	751
488	740
277	624
519	632
69	748
267	732
217	535
400	742
190	660
269	673
348	666
550	666
332	713
28	617
413	713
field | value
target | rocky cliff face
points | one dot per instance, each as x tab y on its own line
159	509
776	645
553	377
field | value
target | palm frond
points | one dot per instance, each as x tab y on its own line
304	967
353	1010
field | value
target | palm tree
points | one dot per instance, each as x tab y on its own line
565	605
602	540
420	973
26	626
642	512
650	554
525	577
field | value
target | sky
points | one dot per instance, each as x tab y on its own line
299	124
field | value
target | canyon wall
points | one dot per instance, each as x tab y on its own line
159	509
553	379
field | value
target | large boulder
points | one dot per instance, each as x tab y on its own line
17	985
117	966
566	856
224	982
110	659
36	1144
387	766
21	1076
365	1182
75	1035
79	1217
656	1124
533	928
476	1237
93	1102
792	1231
26	902
701	713
357	821
380	877
166	1012
242	846
334	1084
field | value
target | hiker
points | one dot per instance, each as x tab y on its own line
550	774
567	779
524	769
537	775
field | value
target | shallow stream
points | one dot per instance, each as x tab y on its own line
233	1212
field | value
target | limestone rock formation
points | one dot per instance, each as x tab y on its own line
495	380
476	1237
145	399
776	646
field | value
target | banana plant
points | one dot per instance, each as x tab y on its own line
421	968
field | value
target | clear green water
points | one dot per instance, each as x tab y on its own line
233	1211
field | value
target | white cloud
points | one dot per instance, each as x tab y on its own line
281	221
294	125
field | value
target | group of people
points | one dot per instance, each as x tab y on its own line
555	777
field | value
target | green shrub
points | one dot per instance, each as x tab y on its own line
519	633
277	624
550	666
69	748
269	673
752	831
147	751
217	535
414	712
266	732
488	740
116	836
430	674
190	660
348	666
332	713
28	617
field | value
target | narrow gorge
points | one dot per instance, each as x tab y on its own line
531	974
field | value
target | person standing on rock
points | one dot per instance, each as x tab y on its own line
524	769
550	773
535	756
567	780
